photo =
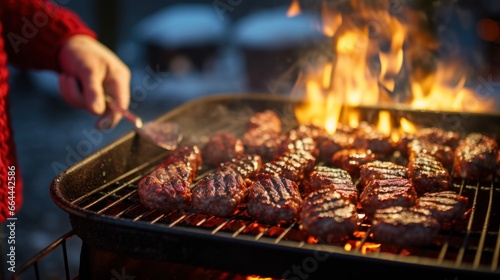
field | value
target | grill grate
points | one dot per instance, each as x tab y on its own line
110	207
473	242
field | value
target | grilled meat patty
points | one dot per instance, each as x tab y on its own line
380	170
221	147
292	165
326	177
328	145
219	193
444	154
351	159
428	174
246	165
366	137
167	188
383	193
266	120
438	136
263	135
274	200
404	226
476	157
328	215
189	154
445	206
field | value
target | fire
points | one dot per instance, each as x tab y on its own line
366	247
254	277
377	60
294	9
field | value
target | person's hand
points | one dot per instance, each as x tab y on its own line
89	71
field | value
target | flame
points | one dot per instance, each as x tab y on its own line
366	247
294	9
255	277
379	59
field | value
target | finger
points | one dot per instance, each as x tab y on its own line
93	92
117	86
70	91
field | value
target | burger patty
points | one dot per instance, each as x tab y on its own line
404	226
326	177
445	206
328	215
379	194
351	159
476	157
167	188
274	200
219	193
221	147
246	165
428	174
380	170
292	165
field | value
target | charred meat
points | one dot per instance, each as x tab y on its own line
385	193
444	154
325	177
293	166
221	147
328	215
246	165
476	157
404	226
219	193
445	206
428	174
189	154
166	188
438	136
381	170
274	201
351	159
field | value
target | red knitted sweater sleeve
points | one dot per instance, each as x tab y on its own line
35	30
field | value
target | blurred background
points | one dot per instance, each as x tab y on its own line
179	51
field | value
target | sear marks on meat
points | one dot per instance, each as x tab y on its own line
366	137
274	200
293	166
219	193
438	136
167	188
189	154
326	177
351	159
328	215
442	153
265	121
330	144
445	206
221	147
428	174
380	170
307	131
385	193
476	157
404	226
291	144
246	165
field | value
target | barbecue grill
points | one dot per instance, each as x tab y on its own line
100	196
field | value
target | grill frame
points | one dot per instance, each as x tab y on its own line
129	158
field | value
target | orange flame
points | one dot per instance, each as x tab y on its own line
294	9
367	34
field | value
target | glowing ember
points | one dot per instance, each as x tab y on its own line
377	60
